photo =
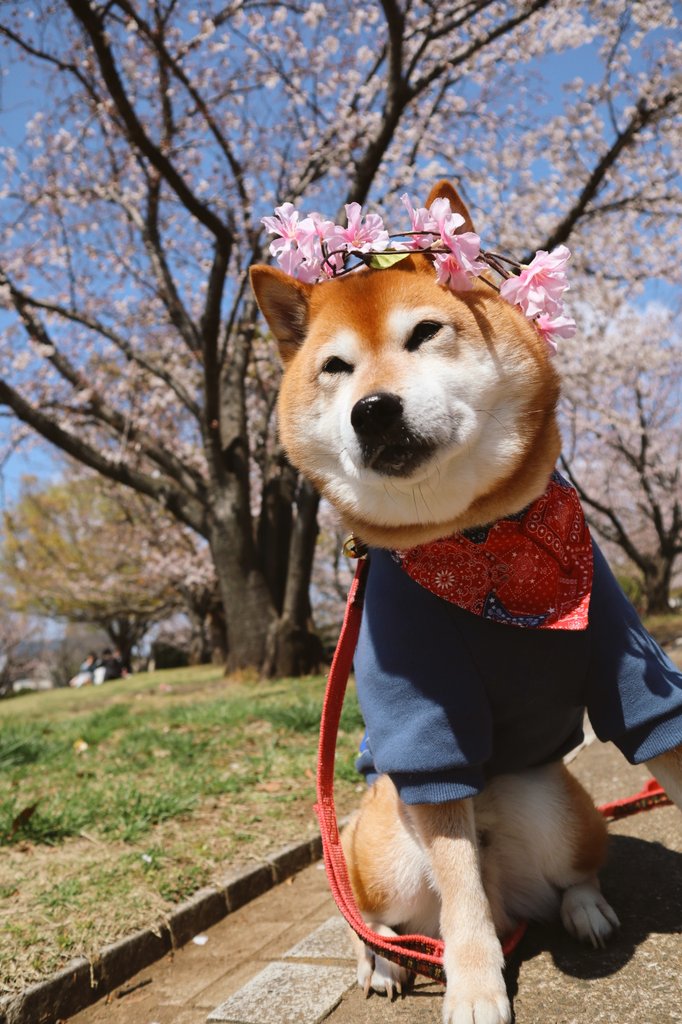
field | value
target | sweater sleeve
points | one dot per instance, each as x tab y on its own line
635	692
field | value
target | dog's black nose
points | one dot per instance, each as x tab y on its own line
375	414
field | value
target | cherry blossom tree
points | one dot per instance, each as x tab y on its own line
132	210
84	551
623	414
20	637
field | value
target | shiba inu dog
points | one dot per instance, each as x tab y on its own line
426	414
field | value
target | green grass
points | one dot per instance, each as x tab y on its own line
119	800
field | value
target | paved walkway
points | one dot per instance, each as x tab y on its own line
285	958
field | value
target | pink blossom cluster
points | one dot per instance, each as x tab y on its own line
311	249
458	262
538	291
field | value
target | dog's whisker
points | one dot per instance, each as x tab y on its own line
426	504
416	506
387	485
492	415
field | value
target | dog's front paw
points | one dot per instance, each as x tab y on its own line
378	975
383	976
587	916
482	1010
476	998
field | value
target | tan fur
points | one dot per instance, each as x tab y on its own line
517	818
668	770
531	844
590	837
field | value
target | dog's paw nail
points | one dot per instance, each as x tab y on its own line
609	913
479	1011
587	916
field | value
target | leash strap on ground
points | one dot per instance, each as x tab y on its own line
417	953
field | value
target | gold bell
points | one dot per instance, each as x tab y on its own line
354	548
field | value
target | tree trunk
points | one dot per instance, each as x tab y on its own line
657	582
249	611
125	633
217	633
275	525
293	647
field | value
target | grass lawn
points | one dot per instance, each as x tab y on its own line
118	801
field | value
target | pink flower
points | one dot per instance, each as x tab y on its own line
366	234
284	224
446	221
298	249
450	272
421	220
561	327
312	232
540	285
293	262
464	247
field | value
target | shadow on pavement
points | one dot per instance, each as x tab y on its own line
643	883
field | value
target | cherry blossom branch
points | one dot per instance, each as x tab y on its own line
432	33
167	291
473	48
643	116
620	535
157	41
186	508
92	21
93	324
640	463
49	58
400	93
97	407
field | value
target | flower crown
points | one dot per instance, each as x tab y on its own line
313	249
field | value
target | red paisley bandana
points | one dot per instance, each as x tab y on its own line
533	569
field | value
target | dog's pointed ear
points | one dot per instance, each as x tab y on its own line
284	303
444	190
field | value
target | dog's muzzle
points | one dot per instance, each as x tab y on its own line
387	444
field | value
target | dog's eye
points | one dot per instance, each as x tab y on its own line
422	332
336	365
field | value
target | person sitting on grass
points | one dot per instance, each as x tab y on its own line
85	674
109	666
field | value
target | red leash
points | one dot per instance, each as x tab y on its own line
417	953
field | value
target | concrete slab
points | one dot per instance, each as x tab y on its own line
287	994
330	941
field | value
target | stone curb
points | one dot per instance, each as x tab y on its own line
82	982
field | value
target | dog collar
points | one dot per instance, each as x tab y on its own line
533	569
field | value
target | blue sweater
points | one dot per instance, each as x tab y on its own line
450	698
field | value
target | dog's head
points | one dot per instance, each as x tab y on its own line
416	410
